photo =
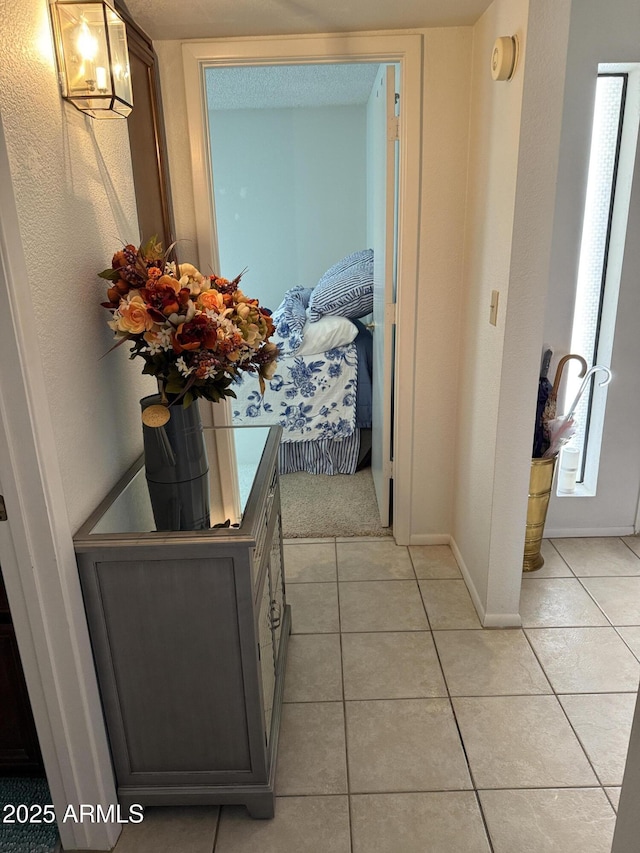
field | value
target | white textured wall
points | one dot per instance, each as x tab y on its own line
445	142
290	189
493	162
514	143
74	194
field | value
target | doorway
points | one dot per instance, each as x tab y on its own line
298	156
406	51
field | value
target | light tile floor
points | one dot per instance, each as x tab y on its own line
407	727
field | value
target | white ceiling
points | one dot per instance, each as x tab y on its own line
281	86
189	19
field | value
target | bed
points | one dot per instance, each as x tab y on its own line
321	391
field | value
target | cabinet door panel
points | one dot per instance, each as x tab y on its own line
178	698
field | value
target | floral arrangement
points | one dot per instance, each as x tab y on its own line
195	333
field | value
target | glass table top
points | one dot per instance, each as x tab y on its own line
214	496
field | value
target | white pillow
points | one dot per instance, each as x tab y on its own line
325	334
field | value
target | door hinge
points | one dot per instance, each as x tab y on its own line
3	509
388	469
390	314
394	128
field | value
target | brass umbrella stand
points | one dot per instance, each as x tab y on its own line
542	471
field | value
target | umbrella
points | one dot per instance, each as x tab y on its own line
551	406
544	389
562	429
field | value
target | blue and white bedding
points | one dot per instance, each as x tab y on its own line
321	399
290	318
312	397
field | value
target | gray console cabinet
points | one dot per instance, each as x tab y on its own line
189	633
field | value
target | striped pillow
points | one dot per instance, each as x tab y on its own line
345	290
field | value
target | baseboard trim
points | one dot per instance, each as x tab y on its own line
576	532
430	539
502	620
488	620
473	592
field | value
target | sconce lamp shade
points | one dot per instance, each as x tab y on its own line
93	60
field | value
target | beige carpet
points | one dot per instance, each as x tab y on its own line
320	506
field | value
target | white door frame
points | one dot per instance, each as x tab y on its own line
38	561
382	166
405	49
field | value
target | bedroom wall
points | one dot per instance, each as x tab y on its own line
515	132
290	193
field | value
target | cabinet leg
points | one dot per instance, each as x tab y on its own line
261	807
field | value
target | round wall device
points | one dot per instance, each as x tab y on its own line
504	57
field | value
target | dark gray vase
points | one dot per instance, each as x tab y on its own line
177	469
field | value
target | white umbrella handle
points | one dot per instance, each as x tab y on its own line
585	382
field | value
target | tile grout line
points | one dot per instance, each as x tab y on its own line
555	693
562	708
484	820
557	698
551	542
595	787
344	708
455	717
598	784
217	829
458	695
626	544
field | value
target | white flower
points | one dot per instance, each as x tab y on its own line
170	269
228	326
160	340
165	338
218	316
211	372
182	367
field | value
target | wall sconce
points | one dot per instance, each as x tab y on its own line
504	57
92	55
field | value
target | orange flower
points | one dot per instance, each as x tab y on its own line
211	300
132	317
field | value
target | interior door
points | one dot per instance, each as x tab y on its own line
381	192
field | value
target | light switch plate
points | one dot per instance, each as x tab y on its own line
493	308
